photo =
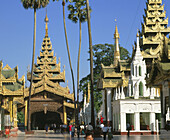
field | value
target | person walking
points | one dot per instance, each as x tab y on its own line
70	128
128	128
54	127
46	128
105	130
73	130
110	135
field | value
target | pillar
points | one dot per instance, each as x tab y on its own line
123	121
130	93
118	92
137	121
64	115
109	114
26	114
122	94
11	110
15	114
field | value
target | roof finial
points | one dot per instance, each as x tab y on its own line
137	33
46	27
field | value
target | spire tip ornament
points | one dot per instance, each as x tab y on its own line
46	22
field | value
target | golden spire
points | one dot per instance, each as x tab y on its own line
116	35
46	27
116	50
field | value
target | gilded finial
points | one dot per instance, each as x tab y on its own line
64	67
116	35
46	22
137	33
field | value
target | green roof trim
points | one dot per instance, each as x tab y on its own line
8	73
13	87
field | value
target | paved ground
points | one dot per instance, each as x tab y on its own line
41	135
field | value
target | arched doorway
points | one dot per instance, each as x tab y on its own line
40	119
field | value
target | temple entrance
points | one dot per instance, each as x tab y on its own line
40	119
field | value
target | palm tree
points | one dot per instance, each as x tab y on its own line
91	63
68	52
78	13
33	4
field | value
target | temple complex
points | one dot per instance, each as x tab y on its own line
11	95
136	101
156	51
50	102
113	82
154	29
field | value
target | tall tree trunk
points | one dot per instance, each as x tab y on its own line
63	3
78	68
91	64
32	67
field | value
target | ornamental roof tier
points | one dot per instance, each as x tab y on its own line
154	30
47	73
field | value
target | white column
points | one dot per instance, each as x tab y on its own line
118	92
122	94
130	93
137	121
109	115
123	122
103	99
152	94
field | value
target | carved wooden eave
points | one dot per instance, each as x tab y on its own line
50	87
155	14
109	84
153	21
7	80
112	74
156	51
157	7
70	105
46	60
155	2
60	77
18	100
7	92
7	67
154	40
47	67
155	29
51	54
146	55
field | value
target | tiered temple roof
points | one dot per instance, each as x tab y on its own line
10	85
47	73
116	74
154	29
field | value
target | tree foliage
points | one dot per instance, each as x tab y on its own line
77	11
102	54
34	3
20	117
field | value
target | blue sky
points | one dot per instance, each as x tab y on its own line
16	31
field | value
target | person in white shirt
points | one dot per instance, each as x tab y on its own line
105	130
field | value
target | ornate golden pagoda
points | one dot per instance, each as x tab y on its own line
154	29
117	73
47	94
11	94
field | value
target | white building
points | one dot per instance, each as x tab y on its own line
134	104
